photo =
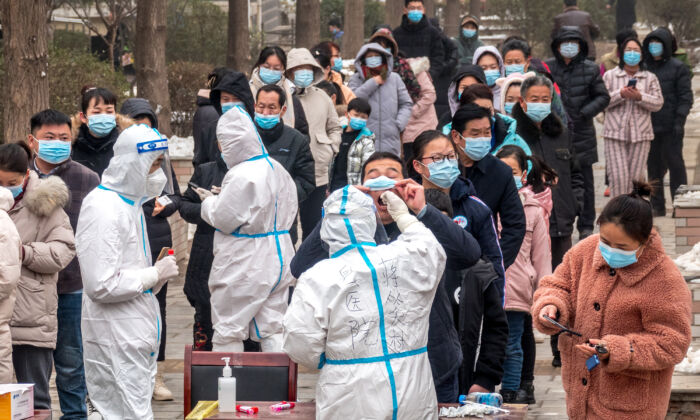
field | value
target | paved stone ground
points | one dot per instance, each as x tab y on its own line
549	392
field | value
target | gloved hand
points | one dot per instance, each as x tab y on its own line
398	210
203	194
167	268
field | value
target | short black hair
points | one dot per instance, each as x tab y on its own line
439	200
569	3
339	97
539	174
474	92
99	94
411	1
14	157
418	149
467	113
322	57
273	88
631	211
48	117
327	87
272	50
379	156
360	105
625	34
516	44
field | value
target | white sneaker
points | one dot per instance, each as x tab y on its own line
160	391
92	413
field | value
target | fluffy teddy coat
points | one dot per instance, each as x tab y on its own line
643	313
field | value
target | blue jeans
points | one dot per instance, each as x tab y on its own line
513	365
68	358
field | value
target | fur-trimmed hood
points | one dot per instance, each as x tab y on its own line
551	126
419	64
123	122
44	196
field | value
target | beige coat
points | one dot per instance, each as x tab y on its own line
324	127
48	247
10	266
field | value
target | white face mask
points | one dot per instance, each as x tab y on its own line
155	183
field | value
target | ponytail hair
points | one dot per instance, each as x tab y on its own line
539	175
631	211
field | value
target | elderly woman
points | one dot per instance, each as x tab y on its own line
630	304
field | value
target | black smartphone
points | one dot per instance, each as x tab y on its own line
632	83
193	185
563	328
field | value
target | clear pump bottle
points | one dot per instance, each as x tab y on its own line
227	390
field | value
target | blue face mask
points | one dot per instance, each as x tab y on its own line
656	49
102	124
357	123
569	49
518	181
222	158
267	122
53	151
414	16
303	78
16	190
538	111
373	62
443	174
617	258
388	50
492	76
515	68
632	58
508	107
227	106
477	148
380	183
269	76
468	33
337	64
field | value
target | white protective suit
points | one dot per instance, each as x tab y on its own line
120	317
362	316
250	276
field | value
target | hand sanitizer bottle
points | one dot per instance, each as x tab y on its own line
227	390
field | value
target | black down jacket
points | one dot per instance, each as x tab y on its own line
422	40
674	79
582	91
204	132
158	228
196	287
553	144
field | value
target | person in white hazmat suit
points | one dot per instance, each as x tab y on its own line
250	276
120	315
362	315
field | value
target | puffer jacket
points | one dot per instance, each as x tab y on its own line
391	105
534	259
48	246
10	271
294	116
582	91
495	88
205	117
675	82
642	312
505	133
553	144
423	115
421	40
324	127
94	152
466	48
360	150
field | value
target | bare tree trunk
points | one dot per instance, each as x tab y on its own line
308	29
393	10
238	53
354	28
429	8
475	7
149	60
452	18
26	90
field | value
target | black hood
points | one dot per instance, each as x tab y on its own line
134	107
662	35
567	33
470	70
237	84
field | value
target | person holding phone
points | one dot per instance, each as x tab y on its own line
629	303
634	94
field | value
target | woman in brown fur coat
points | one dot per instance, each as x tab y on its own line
629	302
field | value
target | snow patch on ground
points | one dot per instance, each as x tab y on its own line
691	363
690	261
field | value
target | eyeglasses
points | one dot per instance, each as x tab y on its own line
441	158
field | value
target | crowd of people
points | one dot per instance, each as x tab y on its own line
403	227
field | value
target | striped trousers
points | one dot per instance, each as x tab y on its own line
625	162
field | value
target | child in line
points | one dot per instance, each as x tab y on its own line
356	146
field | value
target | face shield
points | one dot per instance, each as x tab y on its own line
160	181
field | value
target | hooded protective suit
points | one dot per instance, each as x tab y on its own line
120	316
362	316
250	277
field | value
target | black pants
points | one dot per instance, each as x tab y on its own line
666	154
202	330
33	365
161	295
529	352
586	218
560	245
310	210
